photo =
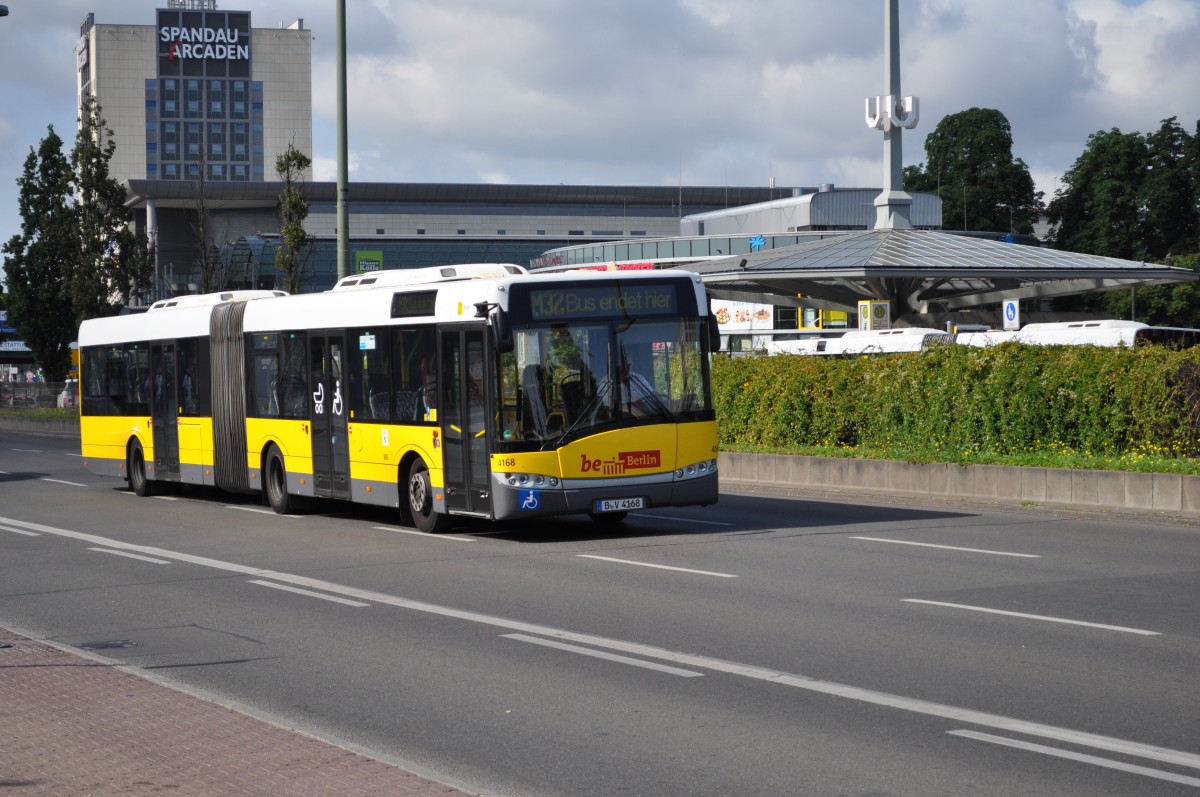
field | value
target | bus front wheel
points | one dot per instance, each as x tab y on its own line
139	483
420	500
276	483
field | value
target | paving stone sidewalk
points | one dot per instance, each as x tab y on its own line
71	725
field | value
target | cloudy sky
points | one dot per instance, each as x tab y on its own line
658	92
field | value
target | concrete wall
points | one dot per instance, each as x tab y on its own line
1166	493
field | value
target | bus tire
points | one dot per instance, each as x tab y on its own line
139	482
608	518
420	500
275	483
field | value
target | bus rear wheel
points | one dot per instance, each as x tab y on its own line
420	500
276	483
139	483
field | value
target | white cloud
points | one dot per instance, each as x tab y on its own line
715	92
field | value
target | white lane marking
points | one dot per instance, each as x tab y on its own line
1087	759
309	593
423	534
950	547
599	654
28	450
167	497
657	567
60	481
869	696
1043	618
262	511
74	455
20	531
128	555
684	520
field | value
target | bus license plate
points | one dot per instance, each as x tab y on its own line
619	504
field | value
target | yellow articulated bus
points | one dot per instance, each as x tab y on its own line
475	390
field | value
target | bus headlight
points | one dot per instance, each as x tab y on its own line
696	469
526	479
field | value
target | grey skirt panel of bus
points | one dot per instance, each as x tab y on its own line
228	372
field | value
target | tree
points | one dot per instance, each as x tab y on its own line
291	258
1174	305
38	259
1171	191
970	165
209	264
1098	210
1131	196
112	267
76	256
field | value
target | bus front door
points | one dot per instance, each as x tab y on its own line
464	396
330	446
164	411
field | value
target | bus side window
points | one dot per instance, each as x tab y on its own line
265	384
293	385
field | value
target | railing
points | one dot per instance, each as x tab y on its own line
30	395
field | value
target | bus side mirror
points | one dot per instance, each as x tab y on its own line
714	333
503	330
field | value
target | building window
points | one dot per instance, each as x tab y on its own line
168	97
541	232
239	142
501	232
170	171
193	99
216	171
216	141
379	231
170	140
238	173
239	99
462	232
194	135
216	99
420	231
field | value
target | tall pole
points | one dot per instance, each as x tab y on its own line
343	179
891	114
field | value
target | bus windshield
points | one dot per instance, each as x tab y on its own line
563	381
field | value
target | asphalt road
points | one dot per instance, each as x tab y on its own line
764	646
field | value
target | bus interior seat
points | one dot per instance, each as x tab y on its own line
407	404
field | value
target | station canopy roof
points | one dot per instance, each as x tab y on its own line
920	271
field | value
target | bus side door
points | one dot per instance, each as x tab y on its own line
330	446
465	393
164	411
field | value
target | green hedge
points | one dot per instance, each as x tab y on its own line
955	403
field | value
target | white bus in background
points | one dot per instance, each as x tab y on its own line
863	341
1083	333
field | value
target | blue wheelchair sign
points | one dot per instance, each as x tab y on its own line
530	499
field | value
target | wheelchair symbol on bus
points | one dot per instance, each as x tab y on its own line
529	499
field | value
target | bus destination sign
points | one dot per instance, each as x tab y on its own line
593	301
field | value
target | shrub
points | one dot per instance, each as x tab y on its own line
955	403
